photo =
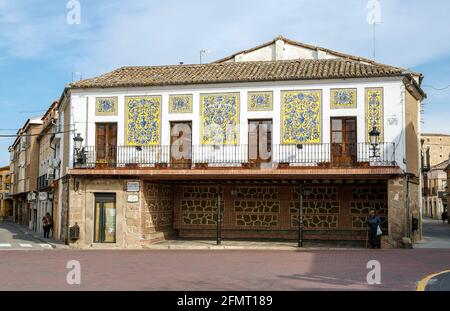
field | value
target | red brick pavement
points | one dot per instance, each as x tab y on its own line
218	270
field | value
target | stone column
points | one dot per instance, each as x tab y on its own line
396	210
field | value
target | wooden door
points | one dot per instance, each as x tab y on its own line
106	144
260	141
343	141
181	145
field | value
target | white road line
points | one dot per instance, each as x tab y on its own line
26	245
5	245
45	245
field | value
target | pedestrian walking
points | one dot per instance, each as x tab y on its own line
374	230
47	223
444	216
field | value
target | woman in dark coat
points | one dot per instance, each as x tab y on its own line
373	222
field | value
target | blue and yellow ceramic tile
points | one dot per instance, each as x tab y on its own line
374	111
220	119
143	121
106	106
301	113
180	104
260	101
343	98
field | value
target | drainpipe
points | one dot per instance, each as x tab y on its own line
68	207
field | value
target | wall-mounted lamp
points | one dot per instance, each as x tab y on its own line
374	136
80	154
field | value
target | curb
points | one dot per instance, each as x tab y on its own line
248	248
38	237
422	284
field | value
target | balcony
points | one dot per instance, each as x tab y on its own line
42	182
359	155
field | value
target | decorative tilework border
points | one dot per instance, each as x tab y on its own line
202	126
269	94
354	94
369	127
101	113
172	109
127	98
282	117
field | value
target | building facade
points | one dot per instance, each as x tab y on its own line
436	147
6	207
241	148
24	172
435	191
47	167
447	170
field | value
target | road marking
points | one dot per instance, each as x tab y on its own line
422	285
26	245
5	245
45	245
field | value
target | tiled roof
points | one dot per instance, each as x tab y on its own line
239	72
441	166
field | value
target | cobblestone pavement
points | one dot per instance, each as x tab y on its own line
219	269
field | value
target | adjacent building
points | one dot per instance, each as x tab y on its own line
47	168
254	145
436	148
6	207
24	173
435	191
447	170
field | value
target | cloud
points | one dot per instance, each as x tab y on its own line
115	33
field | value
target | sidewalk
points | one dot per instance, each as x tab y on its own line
436	234
54	243
186	244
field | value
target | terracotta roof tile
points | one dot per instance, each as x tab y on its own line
238	72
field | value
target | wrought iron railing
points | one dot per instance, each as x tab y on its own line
325	155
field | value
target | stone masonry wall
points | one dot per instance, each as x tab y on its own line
82	207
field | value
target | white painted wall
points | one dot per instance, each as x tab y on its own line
281	50
84	119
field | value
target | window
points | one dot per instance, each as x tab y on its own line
105	218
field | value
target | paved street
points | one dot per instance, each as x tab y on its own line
216	269
12	238
219	270
435	234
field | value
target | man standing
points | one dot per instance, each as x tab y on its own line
374	231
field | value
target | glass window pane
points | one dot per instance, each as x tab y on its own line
336	125
337	138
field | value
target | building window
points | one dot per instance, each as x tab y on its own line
105	218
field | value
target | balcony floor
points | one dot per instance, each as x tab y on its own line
241	173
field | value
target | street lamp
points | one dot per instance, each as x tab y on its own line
374	140
77	146
77	142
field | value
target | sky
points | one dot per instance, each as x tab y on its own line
40	50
